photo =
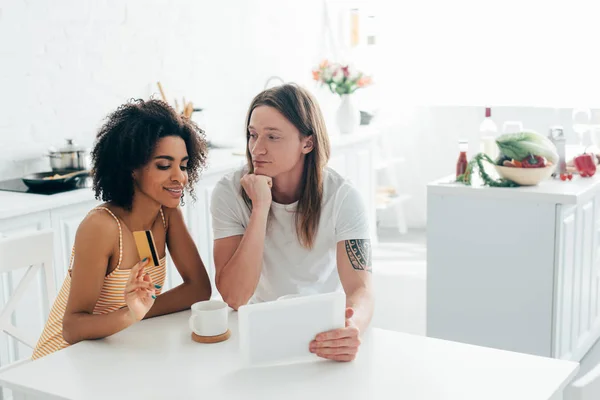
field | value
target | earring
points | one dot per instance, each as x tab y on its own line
182	202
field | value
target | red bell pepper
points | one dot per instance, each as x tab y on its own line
534	162
585	164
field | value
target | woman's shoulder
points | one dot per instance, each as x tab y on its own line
100	222
97	235
170	213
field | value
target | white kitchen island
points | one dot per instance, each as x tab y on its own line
515	268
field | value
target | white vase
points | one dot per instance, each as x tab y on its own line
348	116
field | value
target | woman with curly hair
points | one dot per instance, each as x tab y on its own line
144	157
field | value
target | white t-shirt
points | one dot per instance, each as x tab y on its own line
288	267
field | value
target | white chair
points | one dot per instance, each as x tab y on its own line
586	387
32	251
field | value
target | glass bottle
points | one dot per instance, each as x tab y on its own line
487	135
461	164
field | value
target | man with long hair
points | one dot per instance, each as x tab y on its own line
287	224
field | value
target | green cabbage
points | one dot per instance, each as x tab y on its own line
519	146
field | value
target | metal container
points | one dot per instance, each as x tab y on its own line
69	157
557	136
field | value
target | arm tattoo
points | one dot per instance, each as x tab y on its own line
359	253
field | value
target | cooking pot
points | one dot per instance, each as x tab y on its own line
69	157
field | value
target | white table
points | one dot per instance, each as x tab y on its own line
156	359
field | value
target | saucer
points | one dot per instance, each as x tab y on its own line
211	339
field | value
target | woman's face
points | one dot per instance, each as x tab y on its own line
165	175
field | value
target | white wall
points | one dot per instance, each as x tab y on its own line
66	64
504	52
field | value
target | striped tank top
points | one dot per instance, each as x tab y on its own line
111	296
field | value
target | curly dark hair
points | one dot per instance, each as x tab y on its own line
126	141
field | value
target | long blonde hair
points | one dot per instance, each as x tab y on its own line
299	107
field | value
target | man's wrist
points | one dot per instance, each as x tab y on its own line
260	210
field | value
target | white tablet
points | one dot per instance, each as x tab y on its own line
280	331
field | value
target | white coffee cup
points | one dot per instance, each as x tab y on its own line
209	318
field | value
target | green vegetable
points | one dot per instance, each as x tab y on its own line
487	180
501	158
519	146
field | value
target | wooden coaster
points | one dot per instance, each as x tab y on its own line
211	339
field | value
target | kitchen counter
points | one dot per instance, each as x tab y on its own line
14	204
548	191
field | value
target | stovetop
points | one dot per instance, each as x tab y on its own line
17	185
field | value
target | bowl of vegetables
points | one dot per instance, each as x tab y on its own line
527	158
526	172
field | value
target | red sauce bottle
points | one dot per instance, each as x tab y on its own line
461	164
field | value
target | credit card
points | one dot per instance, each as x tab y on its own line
144	242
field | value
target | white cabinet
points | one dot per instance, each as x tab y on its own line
202	226
24	223
199	224
65	221
515	269
577	323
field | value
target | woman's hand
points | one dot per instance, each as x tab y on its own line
139	291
